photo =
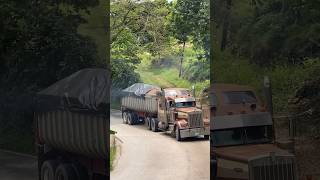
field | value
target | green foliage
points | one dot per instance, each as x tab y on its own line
307	99
191	19
146	34
285	79
123	74
39	44
197	71
271	32
168	77
138	30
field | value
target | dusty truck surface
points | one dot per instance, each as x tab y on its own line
242	141
71	127
171	110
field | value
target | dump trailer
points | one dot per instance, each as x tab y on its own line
72	128
242	141
171	110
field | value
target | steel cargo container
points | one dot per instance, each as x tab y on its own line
141	97
81	133
143	104
71	119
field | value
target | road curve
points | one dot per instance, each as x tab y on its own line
147	155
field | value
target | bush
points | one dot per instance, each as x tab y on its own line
285	79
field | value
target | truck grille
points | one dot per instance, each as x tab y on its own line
195	119
272	168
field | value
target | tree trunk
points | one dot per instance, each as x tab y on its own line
225	27
181	59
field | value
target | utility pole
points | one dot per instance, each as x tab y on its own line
268	94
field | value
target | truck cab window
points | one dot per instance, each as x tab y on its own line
185	104
239	97
213	99
227	137
259	134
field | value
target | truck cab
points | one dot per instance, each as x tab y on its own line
178	114
242	141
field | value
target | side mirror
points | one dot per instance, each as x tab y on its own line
213	110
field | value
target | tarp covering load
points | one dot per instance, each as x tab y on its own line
85	90
140	97
139	89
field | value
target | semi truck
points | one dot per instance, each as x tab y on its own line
171	110
72	128
243	145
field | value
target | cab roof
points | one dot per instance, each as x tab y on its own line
218	87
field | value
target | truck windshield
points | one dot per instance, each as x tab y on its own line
185	104
238	97
244	135
227	137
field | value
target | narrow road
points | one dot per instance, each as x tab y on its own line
147	155
16	167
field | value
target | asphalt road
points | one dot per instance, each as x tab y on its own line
147	155
17	167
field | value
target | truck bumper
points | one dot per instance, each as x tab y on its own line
192	132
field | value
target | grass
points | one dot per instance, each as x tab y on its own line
169	77
113	151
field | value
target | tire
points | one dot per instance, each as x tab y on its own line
178	137
130	119
80	171
206	136
135	119
148	123
125	117
65	172
213	169
48	169
154	125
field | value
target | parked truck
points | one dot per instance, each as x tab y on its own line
172	110
242	141
72	128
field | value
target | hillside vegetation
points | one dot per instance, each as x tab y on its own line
160	42
274	38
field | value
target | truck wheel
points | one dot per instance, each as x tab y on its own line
65	172
206	136
135	119
80	171
148	123
154	125
125	117
130	119
178	137
48	169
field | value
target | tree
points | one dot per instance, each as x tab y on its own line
137	27
270	32
181	25
40	44
190	20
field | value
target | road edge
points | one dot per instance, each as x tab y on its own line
18	154
118	146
